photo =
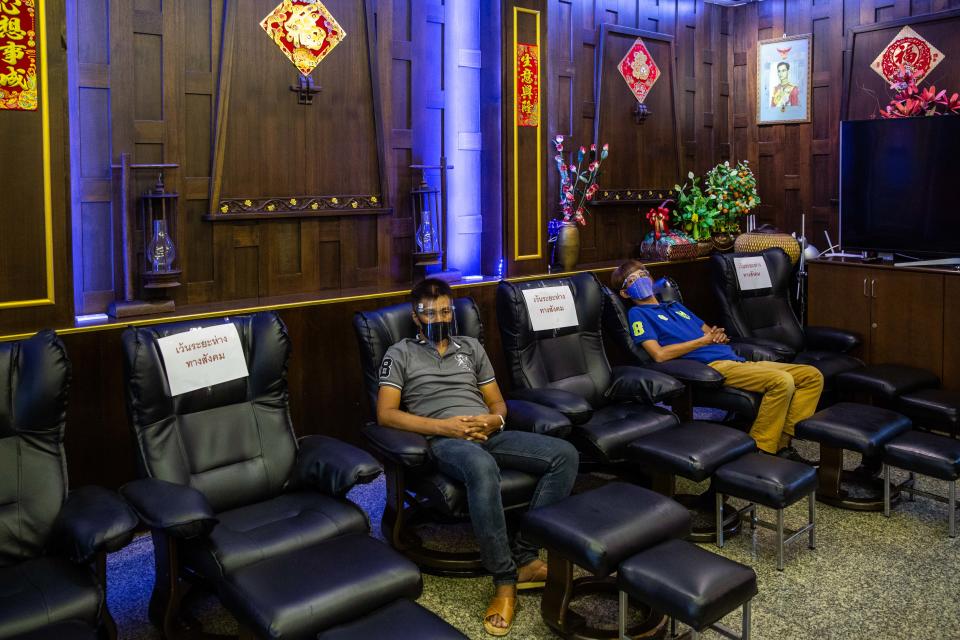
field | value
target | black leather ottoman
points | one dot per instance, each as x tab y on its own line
402	618
303	592
689	584
933	409
694	450
929	455
886	382
771	482
857	427
597	530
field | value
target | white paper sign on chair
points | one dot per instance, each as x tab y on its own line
752	273
551	308
202	357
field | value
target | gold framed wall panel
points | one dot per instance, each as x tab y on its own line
50	298
517	256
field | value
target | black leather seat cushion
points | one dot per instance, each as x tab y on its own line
743	403
72	630
402	618
450	497
282	524
829	363
933	408
598	529
686	582
43	591
693	450
612	428
298	594
925	453
857	427
764	479
887	380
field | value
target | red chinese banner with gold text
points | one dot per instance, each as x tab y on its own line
528	85
18	55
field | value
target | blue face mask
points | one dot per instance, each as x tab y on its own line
641	289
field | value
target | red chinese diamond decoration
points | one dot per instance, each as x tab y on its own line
639	70
907	49
304	30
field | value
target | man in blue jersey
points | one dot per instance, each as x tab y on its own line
669	330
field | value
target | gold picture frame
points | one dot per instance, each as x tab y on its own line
784	79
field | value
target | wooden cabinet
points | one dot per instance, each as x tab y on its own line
900	314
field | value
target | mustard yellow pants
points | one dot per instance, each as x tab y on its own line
790	394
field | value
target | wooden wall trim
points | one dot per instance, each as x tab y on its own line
223	101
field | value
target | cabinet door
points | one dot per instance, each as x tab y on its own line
838	296
907	319
951	339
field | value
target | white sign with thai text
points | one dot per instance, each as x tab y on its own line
752	273
551	308
202	358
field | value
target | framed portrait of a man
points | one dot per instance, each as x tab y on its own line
783	80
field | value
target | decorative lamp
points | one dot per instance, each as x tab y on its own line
158	216
427	222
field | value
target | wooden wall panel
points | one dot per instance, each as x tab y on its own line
34	212
704	39
799	163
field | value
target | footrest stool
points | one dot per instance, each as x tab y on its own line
304	592
886	382
693	450
933	409
926	454
689	584
772	482
402	618
597	530
855	427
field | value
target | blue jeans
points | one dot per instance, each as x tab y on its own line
477	465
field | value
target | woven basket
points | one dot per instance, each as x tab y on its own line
754	242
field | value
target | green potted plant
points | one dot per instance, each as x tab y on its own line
734	189
696	212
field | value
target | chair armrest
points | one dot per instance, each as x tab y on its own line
689	372
782	351
830	339
756	352
405	448
93	519
574	407
536	418
638	384
332	466
178	510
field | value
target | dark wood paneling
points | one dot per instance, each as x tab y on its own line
326	388
907	319
810	151
827	285
951	344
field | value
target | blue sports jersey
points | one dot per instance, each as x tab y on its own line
672	323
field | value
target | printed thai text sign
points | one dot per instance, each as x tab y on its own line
752	273
551	308
202	358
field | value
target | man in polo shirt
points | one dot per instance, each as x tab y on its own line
670	330
443	386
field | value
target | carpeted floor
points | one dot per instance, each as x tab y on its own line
870	577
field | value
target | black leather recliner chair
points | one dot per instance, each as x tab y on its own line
53	545
416	491
704	386
765	318
237	503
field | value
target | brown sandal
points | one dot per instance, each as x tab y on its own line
503	606
537	581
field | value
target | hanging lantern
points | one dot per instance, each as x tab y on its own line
427	248
158	218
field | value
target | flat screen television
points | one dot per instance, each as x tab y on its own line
900	185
